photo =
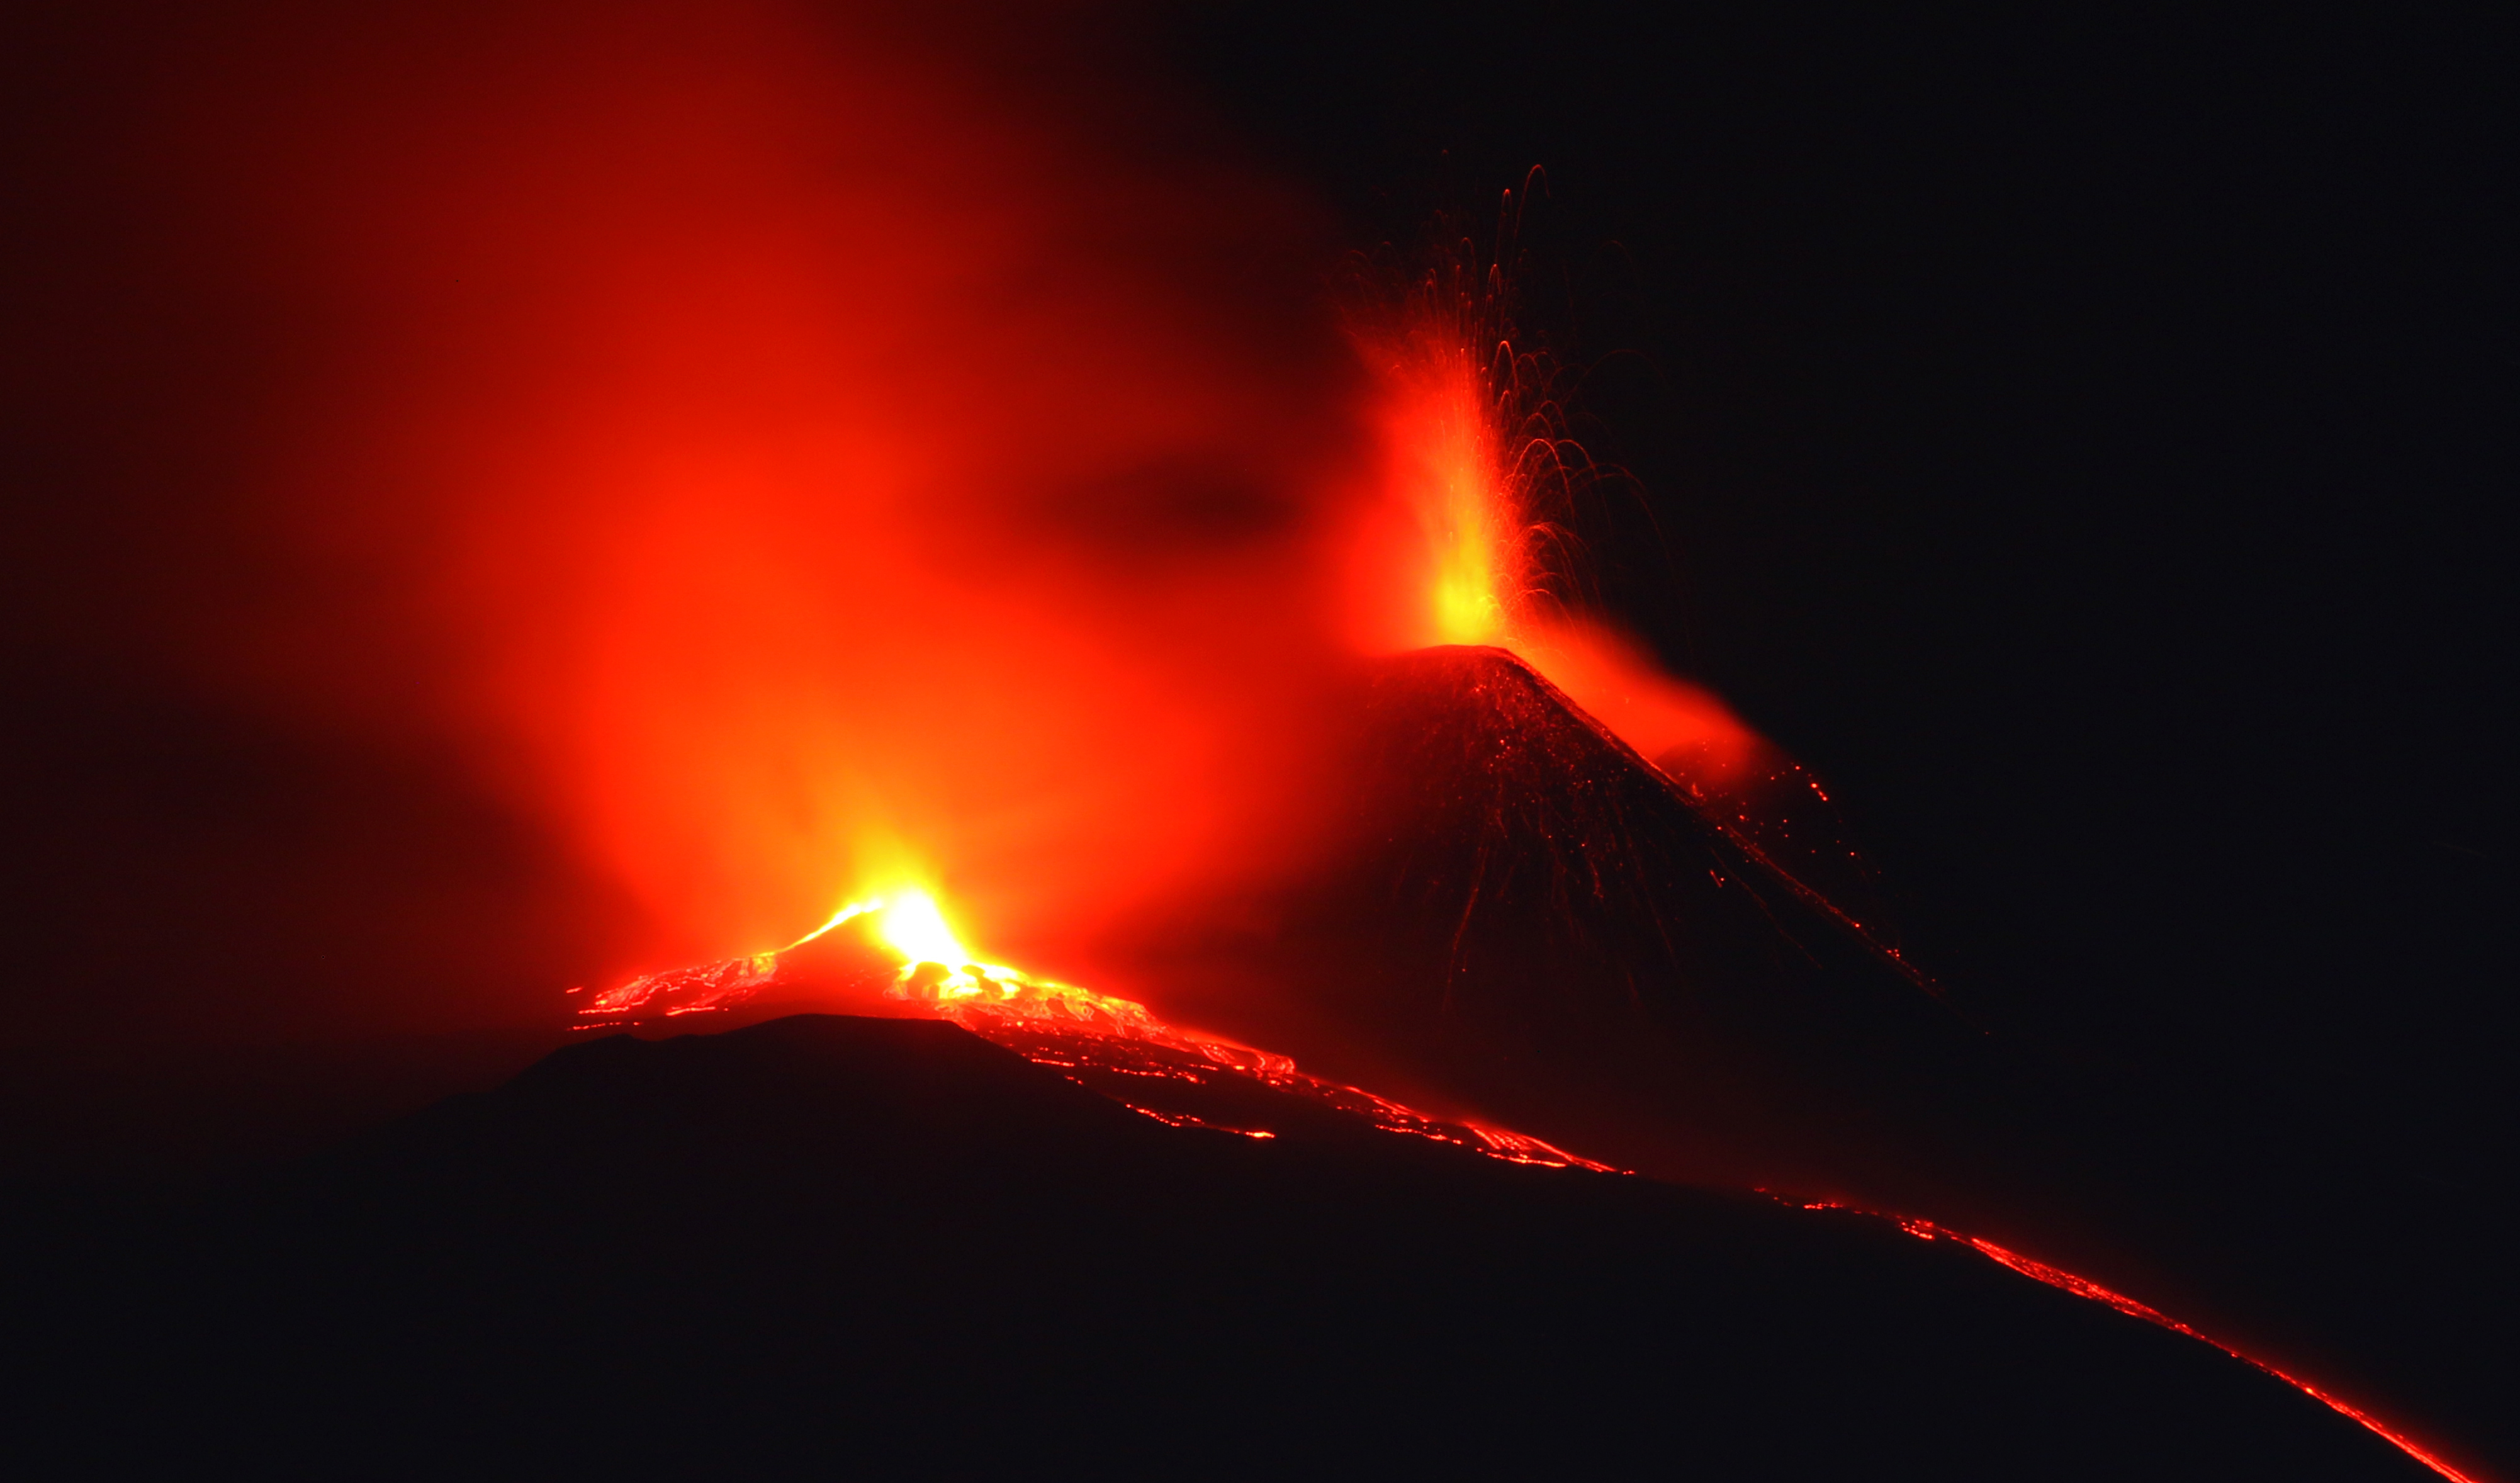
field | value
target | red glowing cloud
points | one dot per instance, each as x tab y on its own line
796	454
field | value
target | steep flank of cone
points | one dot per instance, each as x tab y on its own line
1472	757
1530	921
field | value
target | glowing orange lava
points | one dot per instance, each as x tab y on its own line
895	953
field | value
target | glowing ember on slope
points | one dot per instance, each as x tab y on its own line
680	991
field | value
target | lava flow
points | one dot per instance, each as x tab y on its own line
2084	1287
894	954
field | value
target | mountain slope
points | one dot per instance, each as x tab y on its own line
889	1247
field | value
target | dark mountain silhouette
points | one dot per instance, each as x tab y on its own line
889	1248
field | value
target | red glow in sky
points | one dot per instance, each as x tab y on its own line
799	458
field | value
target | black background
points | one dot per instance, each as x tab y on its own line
2083	441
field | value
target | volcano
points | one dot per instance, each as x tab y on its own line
522	496
989	1222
